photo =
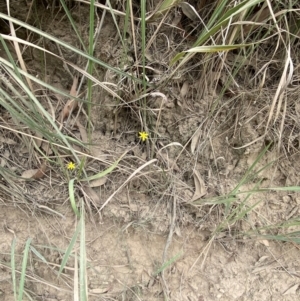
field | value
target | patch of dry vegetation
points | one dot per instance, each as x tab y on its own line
214	85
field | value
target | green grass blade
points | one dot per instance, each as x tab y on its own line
208	49
90	63
72	196
38	254
23	271
40	110
225	18
212	29
63	3
167	264
289	237
238	213
13	268
143	33
38	81
105	172
288	188
246	176
69	250
76	279
217	48
11	59
82	260
66	45
116	25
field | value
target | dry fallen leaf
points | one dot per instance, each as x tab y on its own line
261	259
184	89
177	231
200	189
264	242
71	104
98	182
195	140
83	133
39	139
46	148
92	195
7	141
35	173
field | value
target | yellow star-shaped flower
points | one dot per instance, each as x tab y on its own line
143	136
71	166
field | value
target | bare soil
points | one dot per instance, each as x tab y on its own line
126	241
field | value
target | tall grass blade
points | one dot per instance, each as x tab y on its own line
76	279
38	254
167	264
82	260
65	7
72	196
23	271
69	250
66	45
11	59
219	23
143	33
13	268
90	63
105	172
246	176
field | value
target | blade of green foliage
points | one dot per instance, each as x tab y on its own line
231	197
76	278
288	188
217	48
117	26
246	176
37	80
11	59
90	63
218	20
72	196
23	271
167	264
33	105
104	172
69	250
241	209
75	67
82	260
143	33
38	254
63	3
288	237
13	267
66	45
221	19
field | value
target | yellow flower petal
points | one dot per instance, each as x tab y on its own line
143	136
71	166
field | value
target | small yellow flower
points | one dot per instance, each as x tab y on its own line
143	136
71	166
